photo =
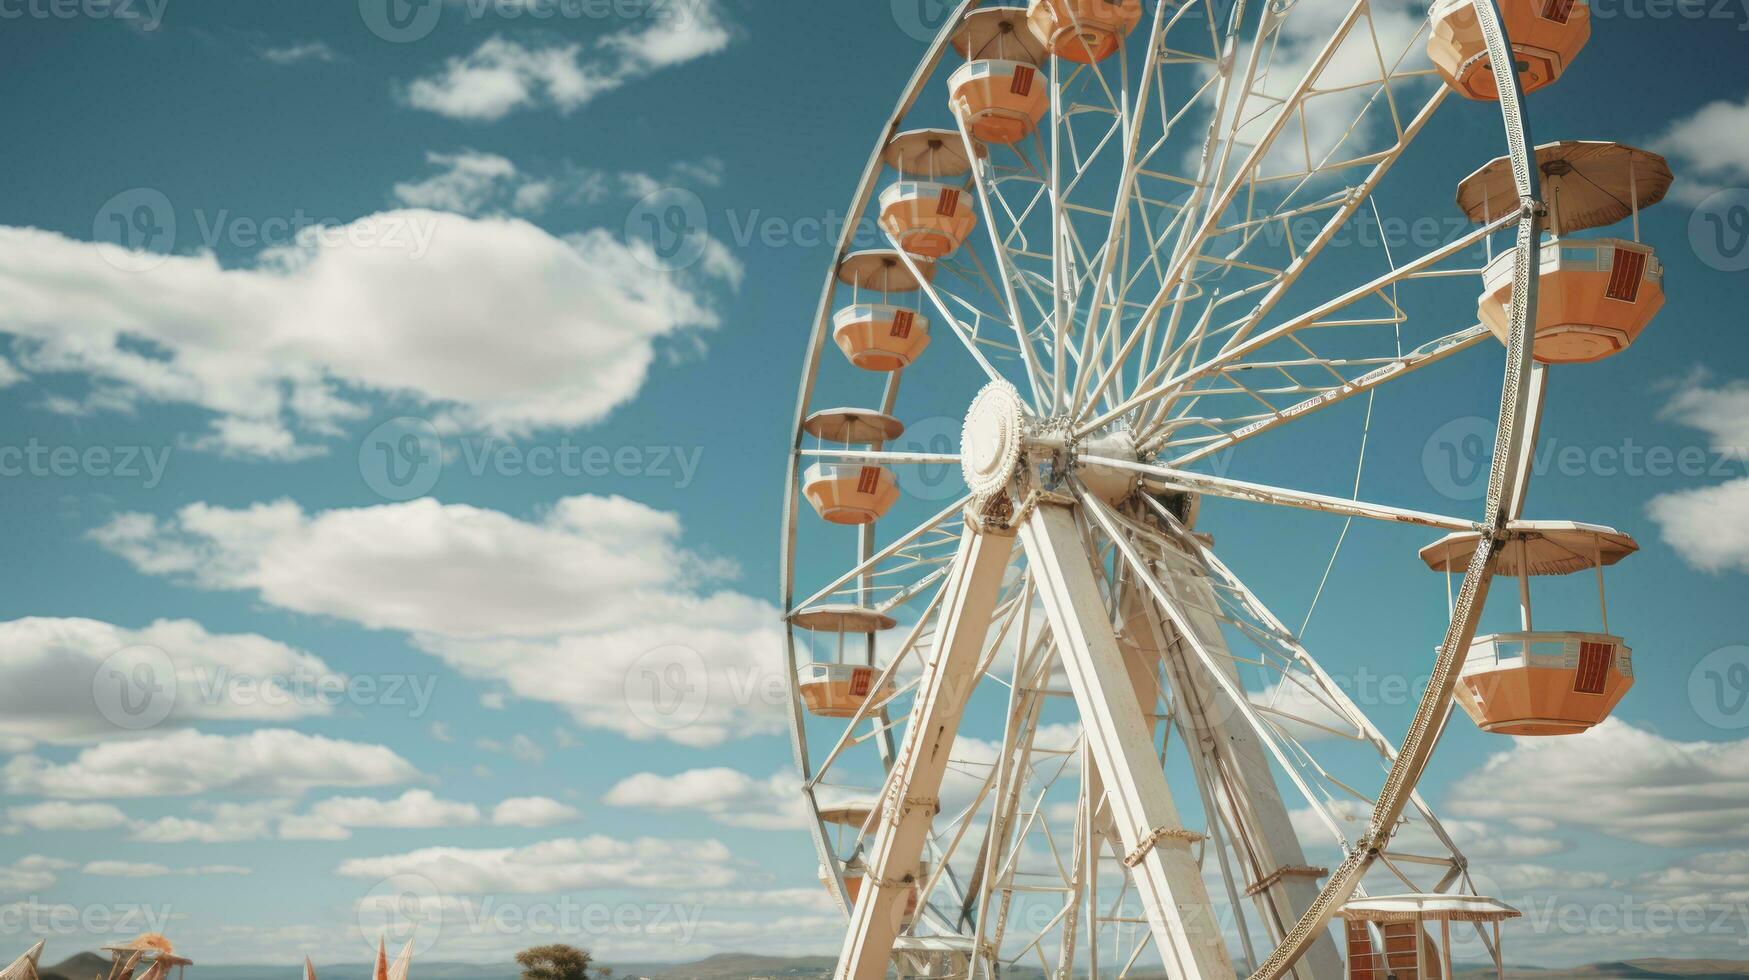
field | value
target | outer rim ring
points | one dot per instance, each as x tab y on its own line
1515	411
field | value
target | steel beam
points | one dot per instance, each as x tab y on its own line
1155	841
912	795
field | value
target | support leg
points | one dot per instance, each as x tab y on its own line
1158	847
914	785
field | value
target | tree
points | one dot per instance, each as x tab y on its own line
555	962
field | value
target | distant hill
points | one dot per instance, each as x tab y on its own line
1651	969
729	966
752	966
81	967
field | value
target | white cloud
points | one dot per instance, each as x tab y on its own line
9	375
1721	411
272	761
469	184
292	54
1708	149
521	748
1719	878
568	608
227	822
50	669
1618	780
334	819
146	869
558	865
61	815
492	323
1708	526
502	76
30	874
727	796
532	811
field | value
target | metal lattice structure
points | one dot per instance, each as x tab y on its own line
1029	726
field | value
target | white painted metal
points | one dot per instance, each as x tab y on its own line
911	798
1156	842
1152	307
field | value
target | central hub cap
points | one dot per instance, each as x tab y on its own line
999	440
992	438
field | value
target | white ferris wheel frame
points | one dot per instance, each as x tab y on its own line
1117	752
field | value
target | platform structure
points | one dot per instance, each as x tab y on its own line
1055	727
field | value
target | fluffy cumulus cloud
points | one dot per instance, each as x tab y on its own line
151	869
31	873
491	322
74	680
594	605
502	76
1619	780
217	823
63	815
533	811
557	865
727	796
1708	149
334	819
1709	526
270	761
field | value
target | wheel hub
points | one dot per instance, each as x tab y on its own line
992	438
999	441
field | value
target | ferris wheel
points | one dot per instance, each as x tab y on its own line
1039	721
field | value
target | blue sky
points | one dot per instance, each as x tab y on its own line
344	382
